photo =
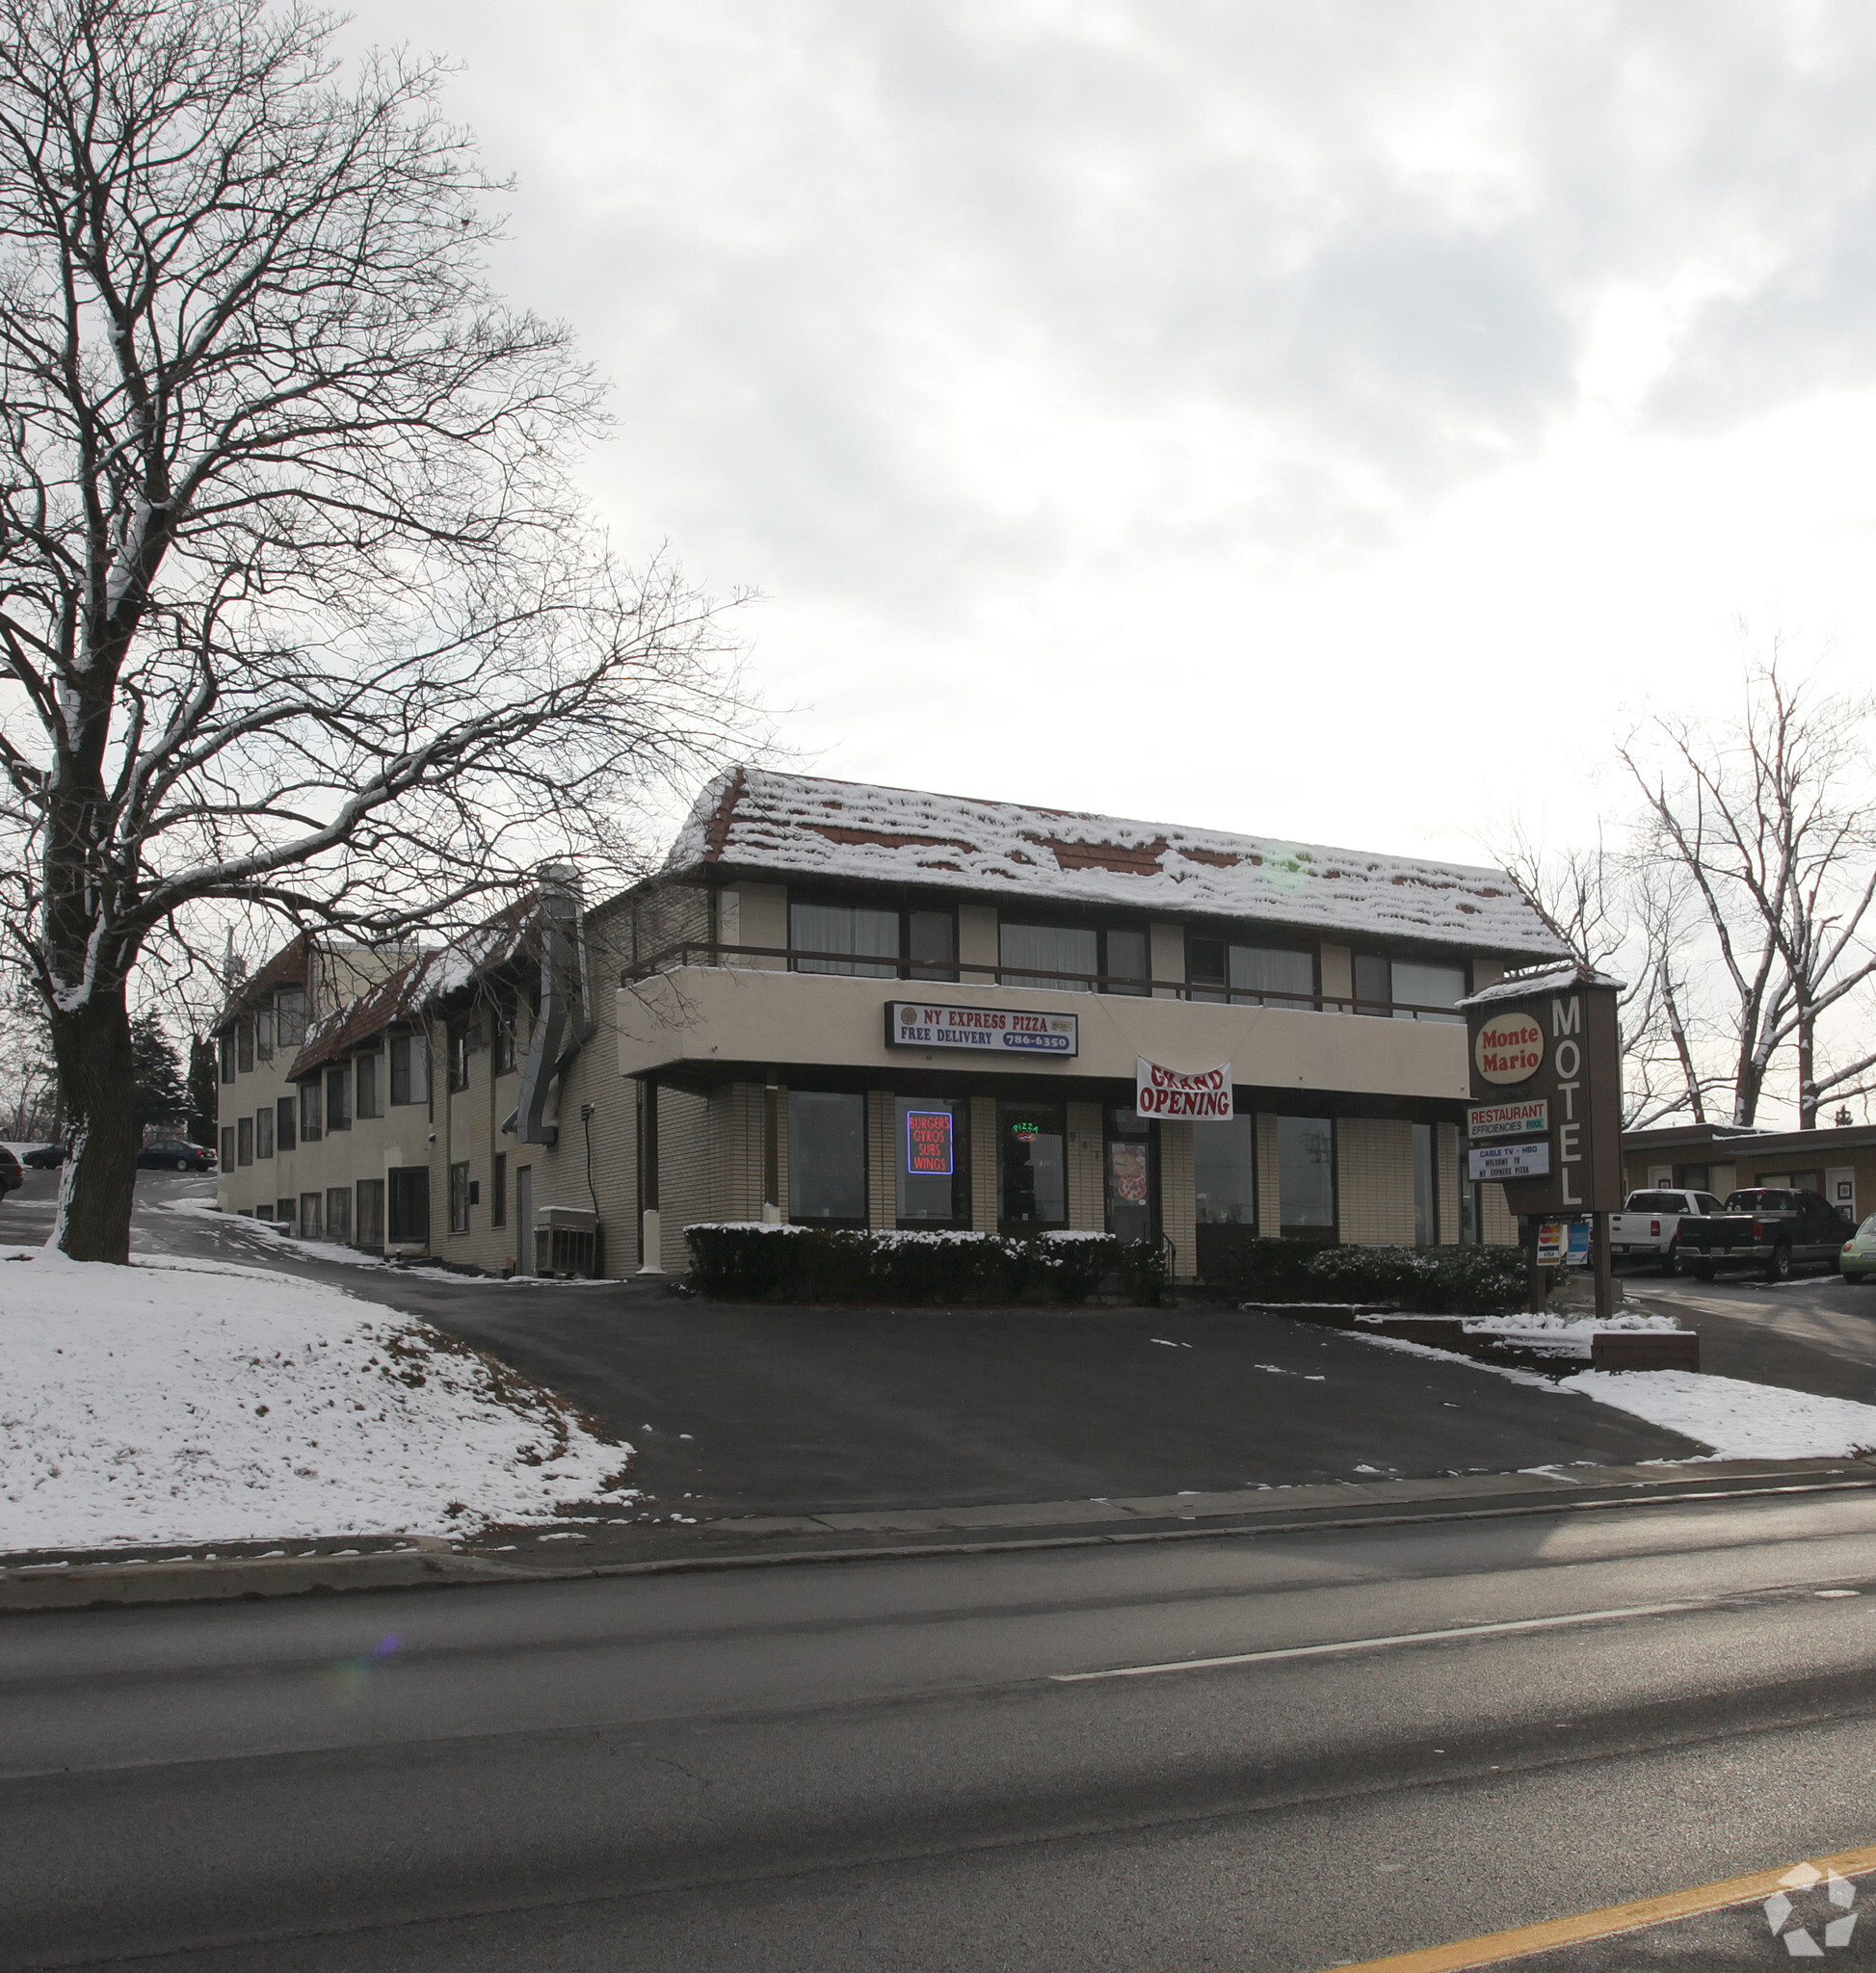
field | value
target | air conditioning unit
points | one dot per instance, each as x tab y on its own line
566	1241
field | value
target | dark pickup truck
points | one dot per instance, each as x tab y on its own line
1769	1228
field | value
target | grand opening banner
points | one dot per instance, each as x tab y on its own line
1160	1091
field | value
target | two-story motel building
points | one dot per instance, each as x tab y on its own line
851	1006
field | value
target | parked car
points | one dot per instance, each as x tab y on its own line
11	1177
1857	1261
45	1157
1649	1225
1767	1228
172	1154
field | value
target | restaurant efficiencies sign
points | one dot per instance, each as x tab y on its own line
980	1029
1161	1091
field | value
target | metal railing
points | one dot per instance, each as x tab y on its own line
1039	979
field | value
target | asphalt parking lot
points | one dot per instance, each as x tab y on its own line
1815	1332
775	1410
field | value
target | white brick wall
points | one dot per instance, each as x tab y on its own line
1086	1187
1374	1175
1177	1200
983	1164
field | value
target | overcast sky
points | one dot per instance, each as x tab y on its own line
1333	421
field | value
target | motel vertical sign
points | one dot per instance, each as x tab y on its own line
1546	1090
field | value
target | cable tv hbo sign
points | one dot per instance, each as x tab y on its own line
1509	1047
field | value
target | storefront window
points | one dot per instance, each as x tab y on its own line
1305	1176
826	1156
1419	987
933	1188
1129	1176
1032	1165
1223	1172
1050	957
857	929
1426	1214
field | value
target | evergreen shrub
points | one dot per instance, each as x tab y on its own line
1428	1280
748	1261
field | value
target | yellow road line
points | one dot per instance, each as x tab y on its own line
1495	1947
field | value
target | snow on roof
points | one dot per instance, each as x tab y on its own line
1550	980
798	826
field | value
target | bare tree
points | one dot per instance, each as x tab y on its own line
28	1085
1622	916
1769	829
298	604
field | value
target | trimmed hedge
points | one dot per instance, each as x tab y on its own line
1430	1280
753	1262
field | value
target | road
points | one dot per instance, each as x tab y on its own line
896	1764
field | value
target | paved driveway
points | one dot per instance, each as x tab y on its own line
1814	1333
773	1411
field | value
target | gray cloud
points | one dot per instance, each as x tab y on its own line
909	303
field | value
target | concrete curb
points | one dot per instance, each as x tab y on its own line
1338	1504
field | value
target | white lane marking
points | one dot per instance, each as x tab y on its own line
1411	1637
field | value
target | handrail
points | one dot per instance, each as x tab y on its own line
952	972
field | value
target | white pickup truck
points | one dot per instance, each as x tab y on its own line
1649	1225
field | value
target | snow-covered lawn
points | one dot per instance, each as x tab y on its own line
1738	1420
193	1401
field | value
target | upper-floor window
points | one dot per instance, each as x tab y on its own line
290	1016
309	1112
227	1057
458	1055
1251	974
264	1031
409	1070
1407	990
338	1098
1073	959
872	941
502	1051
243	1045
364	1084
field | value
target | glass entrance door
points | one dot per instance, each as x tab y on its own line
1130	1176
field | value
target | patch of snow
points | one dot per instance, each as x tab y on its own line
1543	979
1550	1327
1505	1370
190	1401
1738	1420
803	825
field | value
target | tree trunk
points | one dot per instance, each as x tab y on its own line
99	1177
1807	1071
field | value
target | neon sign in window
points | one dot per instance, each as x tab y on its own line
930	1152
